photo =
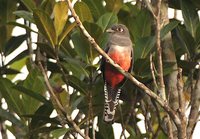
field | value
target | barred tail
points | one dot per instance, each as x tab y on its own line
111	101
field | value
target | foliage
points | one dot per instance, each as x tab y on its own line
73	71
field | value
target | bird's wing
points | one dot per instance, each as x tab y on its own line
132	60
103	61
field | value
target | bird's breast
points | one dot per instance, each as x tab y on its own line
121	56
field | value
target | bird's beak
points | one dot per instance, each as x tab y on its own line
109	30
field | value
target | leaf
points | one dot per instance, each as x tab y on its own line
141	25
60	16
30	4
169	27
7	7
105	130
14	43
45	26
96	8
198	35
10	117
41	116
77	84
114	5
35	83
32	94
11	96
81	45
59	132
190	16
107	20
83	11
25	14
143	47
187	41
22	26
66	31
76	67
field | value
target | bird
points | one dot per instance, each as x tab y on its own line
119	49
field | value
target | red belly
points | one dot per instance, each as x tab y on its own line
112	76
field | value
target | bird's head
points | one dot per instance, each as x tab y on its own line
118	29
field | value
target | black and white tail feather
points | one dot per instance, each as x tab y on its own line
111	101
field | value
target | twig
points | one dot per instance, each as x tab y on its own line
128	75
152	71
195	104
182	130
149	6
57	103
123	128
159	51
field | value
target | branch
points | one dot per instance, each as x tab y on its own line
149	92
57	103
195	104
159	51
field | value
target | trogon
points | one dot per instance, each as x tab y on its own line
119	48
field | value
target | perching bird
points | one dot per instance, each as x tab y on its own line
119	48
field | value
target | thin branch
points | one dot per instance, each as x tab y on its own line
149	6
152	71
57	103
195	105
159	51
182	130
149	92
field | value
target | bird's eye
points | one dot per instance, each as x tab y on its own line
120	29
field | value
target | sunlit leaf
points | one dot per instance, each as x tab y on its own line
66	31
60	16
83	11
45	26
114	5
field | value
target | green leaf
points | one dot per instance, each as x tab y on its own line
30	4
14	43
76	67
83	11
32	94
107	20
7	7
96	8
140	26
77	84
190	16
81	45
187	41
45	26
10	117
59	132
41	116
22	26
25	14
105	130
169	27
60	16
114	5
35	83
198	35
143	47
66	31
11	96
